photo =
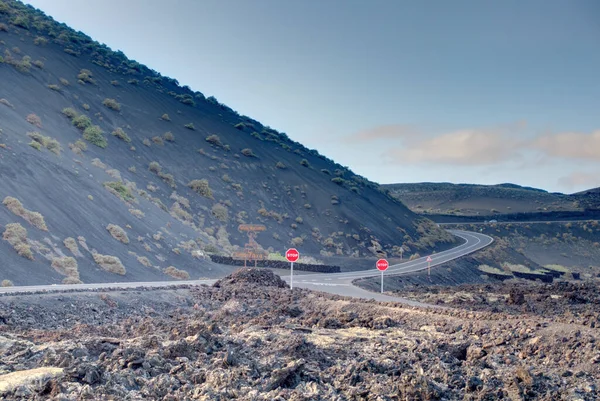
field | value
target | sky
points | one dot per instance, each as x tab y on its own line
464	91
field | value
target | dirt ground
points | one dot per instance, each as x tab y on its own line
251	338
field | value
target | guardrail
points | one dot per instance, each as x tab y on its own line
277	264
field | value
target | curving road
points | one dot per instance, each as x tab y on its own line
334	283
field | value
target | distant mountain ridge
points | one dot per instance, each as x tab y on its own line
485	200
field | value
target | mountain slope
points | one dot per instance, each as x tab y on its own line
91	139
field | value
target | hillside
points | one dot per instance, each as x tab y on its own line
112	172
488	200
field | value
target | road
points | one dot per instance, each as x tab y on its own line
334	283
483	223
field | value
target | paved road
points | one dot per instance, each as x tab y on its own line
464	223
335	283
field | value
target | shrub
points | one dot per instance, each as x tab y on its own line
6	283
280	165
176	273
157	140
214	140
35	145
3	27
38	63
299	220
190	126
201	187
178	212
33	218
112	104
114	83
93	134
248	152
66	265
305	163
16	235
338	180
82	122
54	87
165	117
70	112
133	81
168	136
137	213
34	119
168	178
85	106
118	233
147	142
85	76
155	167
325	171
117	188
40	41
63	82
144	261
220	212
111	264
119	133
297	241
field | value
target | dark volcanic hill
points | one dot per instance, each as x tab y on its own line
110	171
488	200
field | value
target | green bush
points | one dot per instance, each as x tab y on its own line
82	122
112	104
94	135
70	112
119	133
119	189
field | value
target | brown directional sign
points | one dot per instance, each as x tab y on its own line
250	256
252	227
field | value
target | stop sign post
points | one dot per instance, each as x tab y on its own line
429	265
382	266
292	256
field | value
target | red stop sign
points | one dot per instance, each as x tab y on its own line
292	255
382	264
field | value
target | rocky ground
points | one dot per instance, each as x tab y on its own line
250	338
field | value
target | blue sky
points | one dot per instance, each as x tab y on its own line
400	91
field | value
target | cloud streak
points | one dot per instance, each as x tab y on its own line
481	146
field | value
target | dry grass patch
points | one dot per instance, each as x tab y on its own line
33	218
137	213
118	233
16	235
6	103
71	280
111	264
144	261
176	273
67	266
71	245
34	120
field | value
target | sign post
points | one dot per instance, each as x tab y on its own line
292	256
401	252
429	265
382	266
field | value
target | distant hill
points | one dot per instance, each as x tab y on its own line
486	200
122	162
